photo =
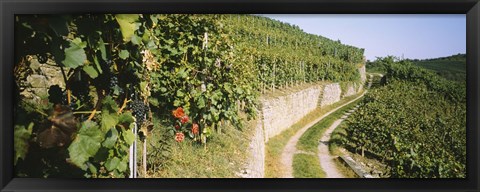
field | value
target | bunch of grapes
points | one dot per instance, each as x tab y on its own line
115	88
139	111
113	81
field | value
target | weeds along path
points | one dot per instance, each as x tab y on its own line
290	149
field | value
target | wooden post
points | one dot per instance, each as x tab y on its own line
273	83
303	69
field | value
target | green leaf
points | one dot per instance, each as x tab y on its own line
127	25
90	70
176	103
109	104
125	118
97	64
112	163
86	144
21	137
122	166
136	39
109	120
180	93
111	138
75	55
124	54
201	102
182	73
143	87
103	51
92	168
128	136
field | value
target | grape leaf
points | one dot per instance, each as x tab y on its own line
112	163
136	39
126	118
127	25
109	120
122	166
124	54
111	139
21	136
128	136
103	51
201	102
75	55
86	144
90	70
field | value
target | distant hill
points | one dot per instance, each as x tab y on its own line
451	67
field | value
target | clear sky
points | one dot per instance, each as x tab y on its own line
413	36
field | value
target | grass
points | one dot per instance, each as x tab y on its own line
223	156
303	166
309	142
276	144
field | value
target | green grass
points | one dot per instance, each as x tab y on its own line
276	144
223	156
307	166
309	142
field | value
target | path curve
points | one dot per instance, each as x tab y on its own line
327	162
326	159
290	149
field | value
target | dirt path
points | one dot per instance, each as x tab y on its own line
291	149
326	160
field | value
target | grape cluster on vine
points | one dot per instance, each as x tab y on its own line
139	111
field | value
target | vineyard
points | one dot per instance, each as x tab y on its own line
176	82
415	123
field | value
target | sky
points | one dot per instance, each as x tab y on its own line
410	36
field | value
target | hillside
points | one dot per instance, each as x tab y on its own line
451	67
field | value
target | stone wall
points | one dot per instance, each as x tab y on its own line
279	113
350	90
363	73
256	160
331	94
38	81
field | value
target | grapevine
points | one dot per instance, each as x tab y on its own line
121	69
